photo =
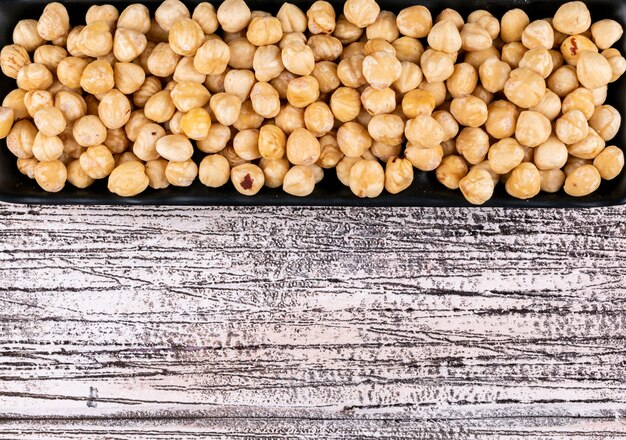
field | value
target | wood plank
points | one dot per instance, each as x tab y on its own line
354	317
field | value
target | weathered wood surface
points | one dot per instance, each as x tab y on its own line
160	322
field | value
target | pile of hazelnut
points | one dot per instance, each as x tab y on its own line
276	100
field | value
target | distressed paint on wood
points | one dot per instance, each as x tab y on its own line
162	322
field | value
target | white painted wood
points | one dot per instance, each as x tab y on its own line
162	322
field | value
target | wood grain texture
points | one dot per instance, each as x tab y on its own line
159	322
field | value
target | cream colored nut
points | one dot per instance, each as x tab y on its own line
156	33
573	45
181	173
453	16
196	124
418	102
36	100
34	77
557	59
289	118
484	95
298	58
551	155
318	173
330	154
326	74
493	74
145	56
299	181
214	171
605	33
350	71
174	147
51	175
477	186
593	70
424	159
582	181
617	62
386	128
170	12
512	54
72	41
54	22
580	99
241	53
606	121
447	122
128	179
384	152
572	127
318	118
77	176
233	15
114	109
248	179
12	59
539	33
248	118
292	19
361	13
398	175
128	77
384	27
226	107
302	91
415	21
274	171
25	35
524	88
345	104
265	100
376	102
216	141
155	170
325	47
599	95
381	69
609	162
271	142
551	180
451	170
239	83
572	18
97	78
375	45
532	128
107	13
303	148
424	131
346	32
137	120
367	178
215	83
473	144
321	18
512	25
476	58
186	36
563	81
150	87
89	131
364	118
95	39
27	166
163	60
97	162
21	138
128	44
589	147
436	66
136	17
144	146
463	81
50	121
408	49
475	38
445	37
343	169
574	163
70	70
505	155
263	31
267	63
50	56
487	21
160	107
7	116
524	181
187	95
46	148
469	111
410	77
539	60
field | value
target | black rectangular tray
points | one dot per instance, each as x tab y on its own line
425	191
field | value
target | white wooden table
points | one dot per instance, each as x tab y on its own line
167	323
